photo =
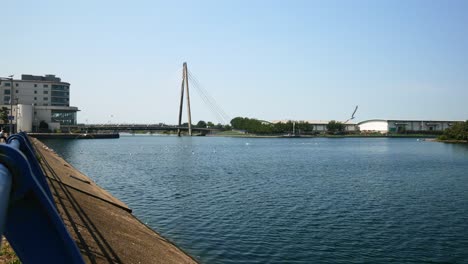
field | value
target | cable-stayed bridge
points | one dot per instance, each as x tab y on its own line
210	102
132	128
188	78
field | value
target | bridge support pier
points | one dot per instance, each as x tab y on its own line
185	84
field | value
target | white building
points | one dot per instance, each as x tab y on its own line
374	125
38	98
385	126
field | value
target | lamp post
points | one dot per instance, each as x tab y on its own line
16	103
10	117
34	115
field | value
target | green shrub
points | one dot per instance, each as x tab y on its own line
458	131
443	137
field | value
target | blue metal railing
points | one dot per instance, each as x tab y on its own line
5	189
28	217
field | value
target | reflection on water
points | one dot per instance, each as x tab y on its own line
244	200
459	149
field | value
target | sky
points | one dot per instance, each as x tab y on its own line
271	60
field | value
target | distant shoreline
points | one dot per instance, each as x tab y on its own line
236	135
327	136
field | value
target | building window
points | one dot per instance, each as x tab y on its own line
63	117
7	84
35	98
57	87
59	93
35	85
35	92
16	84
46	98
45	104
17	91
6	98
46	85
46	92
6	92
59	100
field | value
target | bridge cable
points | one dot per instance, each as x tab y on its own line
214	109
205	98
211	99
216	115
203	95
219	113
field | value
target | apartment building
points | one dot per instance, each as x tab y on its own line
38	98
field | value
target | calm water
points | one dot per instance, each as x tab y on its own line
238	200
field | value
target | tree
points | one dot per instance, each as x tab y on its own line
209	124
237	123
304	127
201	124
252	125
263	127
458	131
334	126
4	115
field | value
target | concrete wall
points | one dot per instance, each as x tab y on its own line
25	118
419	125
350	127
385	126
53	126
323	127
320	127
42	115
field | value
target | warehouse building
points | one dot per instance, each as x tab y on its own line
319	125
398	126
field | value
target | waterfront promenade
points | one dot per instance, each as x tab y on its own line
102	226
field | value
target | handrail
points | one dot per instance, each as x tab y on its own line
5	190
32	224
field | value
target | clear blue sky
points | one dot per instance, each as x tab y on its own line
263	59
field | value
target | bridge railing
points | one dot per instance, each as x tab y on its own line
28	216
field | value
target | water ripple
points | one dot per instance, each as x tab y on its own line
290	201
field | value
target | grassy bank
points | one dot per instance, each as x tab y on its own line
7	255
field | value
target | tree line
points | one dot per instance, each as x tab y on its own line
255	126
459	131
208	124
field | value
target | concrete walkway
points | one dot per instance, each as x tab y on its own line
102	226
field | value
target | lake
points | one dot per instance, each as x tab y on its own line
311	200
